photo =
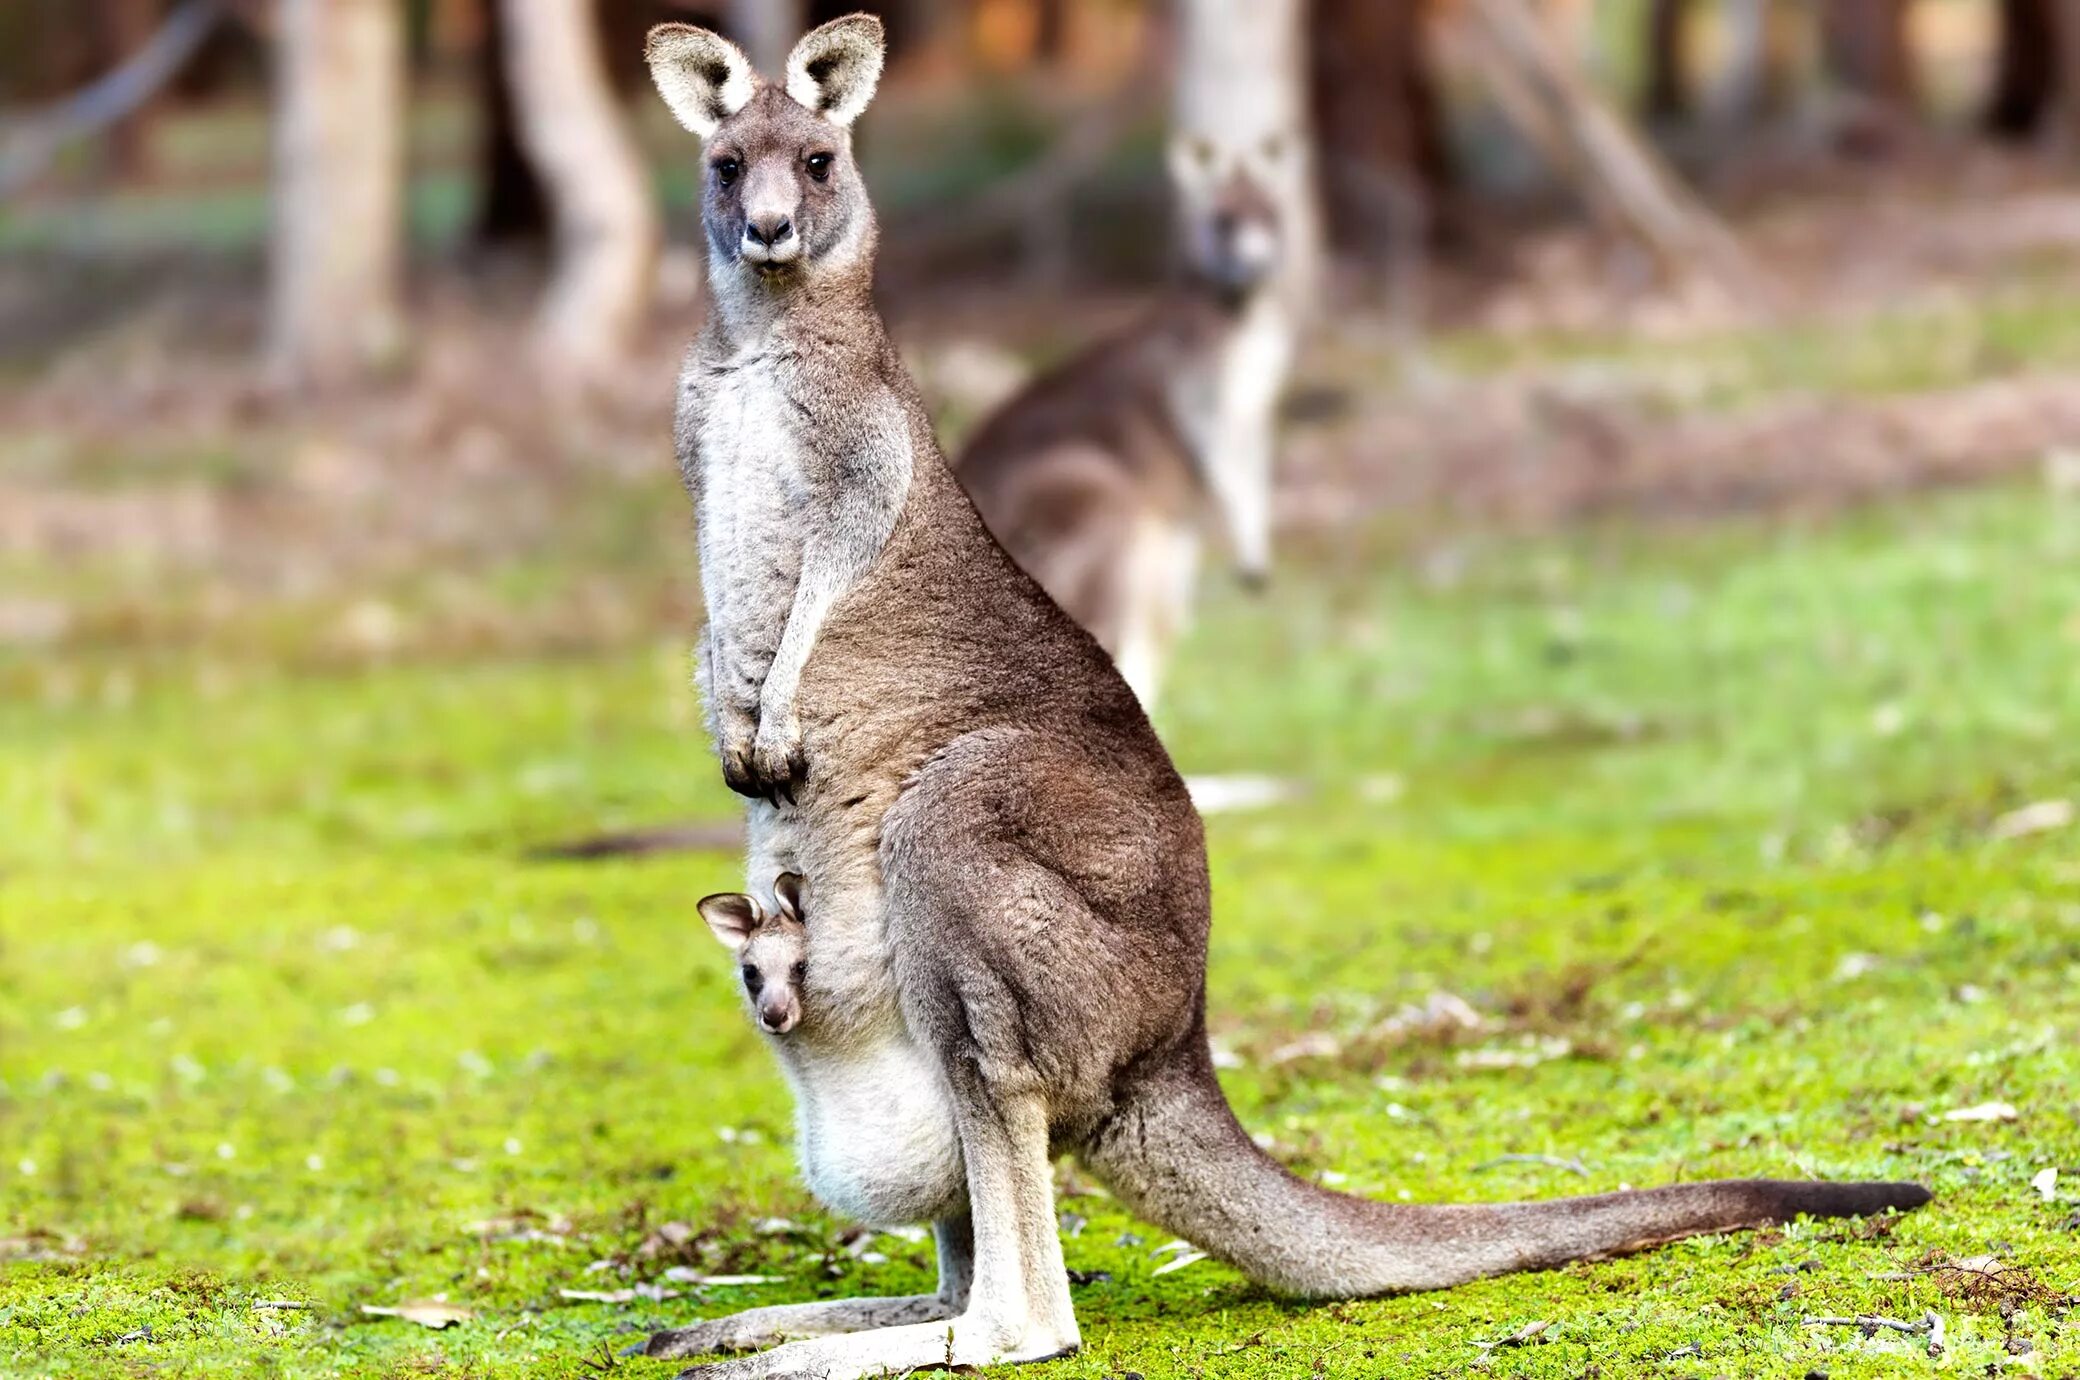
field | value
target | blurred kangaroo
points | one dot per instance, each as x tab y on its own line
1102	475
1007	960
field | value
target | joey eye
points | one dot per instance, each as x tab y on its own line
799	971
752	981
726	170
819	165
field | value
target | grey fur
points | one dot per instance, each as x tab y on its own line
1006	894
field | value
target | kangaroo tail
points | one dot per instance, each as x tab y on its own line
1175	1154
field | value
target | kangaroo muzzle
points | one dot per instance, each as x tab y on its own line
778	1011
771	209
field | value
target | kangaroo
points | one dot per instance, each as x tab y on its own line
1008	879
1101	476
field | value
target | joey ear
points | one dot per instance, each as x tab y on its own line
835	67
787	888
702	76
732	915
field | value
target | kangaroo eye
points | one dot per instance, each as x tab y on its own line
726	170
752	981
799	971
819	165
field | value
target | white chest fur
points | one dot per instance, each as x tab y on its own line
875	1132
751	481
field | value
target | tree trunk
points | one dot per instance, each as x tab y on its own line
1379	123
1242	80
126	26
1867	49
606	222
512	207
2025	80
1537	85
1761	43
2065	27
1051	31
338	187
1668	93
766	30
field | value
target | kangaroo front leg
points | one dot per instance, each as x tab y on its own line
763	1327
731	700
869	495
1018	1308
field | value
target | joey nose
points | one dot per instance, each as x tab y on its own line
772	231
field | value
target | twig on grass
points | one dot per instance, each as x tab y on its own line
1573	1166
1871	1322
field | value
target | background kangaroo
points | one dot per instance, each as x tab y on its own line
1007	878
1101	476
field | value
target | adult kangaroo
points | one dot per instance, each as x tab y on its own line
1005	891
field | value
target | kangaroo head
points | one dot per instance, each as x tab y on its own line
782	200
1227	203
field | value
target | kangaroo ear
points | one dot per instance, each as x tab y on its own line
732	915
702	76
787	888
835	67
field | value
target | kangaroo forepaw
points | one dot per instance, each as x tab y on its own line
779	765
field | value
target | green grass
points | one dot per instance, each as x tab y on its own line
1704	822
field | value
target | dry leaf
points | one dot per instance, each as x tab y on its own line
1179	1262
680	1274
433	1313
1985	1111
653	1293
2046	1185
1523	1336
1220	795
2041	817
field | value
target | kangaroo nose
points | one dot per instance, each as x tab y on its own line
770	231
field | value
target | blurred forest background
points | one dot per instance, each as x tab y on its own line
1657	746
300	298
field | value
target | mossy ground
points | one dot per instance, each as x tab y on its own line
1707	824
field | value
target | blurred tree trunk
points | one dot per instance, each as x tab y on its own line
338	187
1535	81
2026	78
126	26
1867	49
1051	31
766	30
1242	80
606	221
1385	170
1762	43
2065	27
512	206
1668	94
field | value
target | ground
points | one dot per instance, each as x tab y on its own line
1743	844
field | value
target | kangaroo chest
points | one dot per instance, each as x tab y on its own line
753	481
